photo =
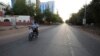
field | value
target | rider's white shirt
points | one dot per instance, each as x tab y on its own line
35	25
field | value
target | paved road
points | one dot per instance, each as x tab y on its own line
61	40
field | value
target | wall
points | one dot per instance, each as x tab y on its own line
19	20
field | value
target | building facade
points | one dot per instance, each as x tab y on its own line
15	20
13	2
51	6
45	5
20	18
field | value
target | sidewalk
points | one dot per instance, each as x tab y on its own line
5	28
8	31
21	29
90	29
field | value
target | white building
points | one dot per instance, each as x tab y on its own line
15	19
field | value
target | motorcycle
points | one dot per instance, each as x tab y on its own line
32	35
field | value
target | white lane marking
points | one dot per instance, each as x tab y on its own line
71	48
72	51
70	44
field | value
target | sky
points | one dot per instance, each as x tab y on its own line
64	7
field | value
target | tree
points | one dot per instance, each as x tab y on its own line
92	14
51	17
8	10
48	15
56	18
95	10
21	8
73	19
31	9
38	15
95	1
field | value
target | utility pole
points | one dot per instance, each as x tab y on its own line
13	21
84	19
37	3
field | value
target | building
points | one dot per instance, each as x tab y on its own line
15	20
51	6
45	5
37	3
2	9
13	2
19	18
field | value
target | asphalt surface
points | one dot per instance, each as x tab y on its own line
58	40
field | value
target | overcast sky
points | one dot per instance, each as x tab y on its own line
64	7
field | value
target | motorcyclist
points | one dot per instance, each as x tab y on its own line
35	27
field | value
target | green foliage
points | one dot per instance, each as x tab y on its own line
92	14
48	15
77	18
38	15
57	18
95	11
8	11
21	8
51	17
31	9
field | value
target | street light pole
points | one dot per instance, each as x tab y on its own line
13	21
84	19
